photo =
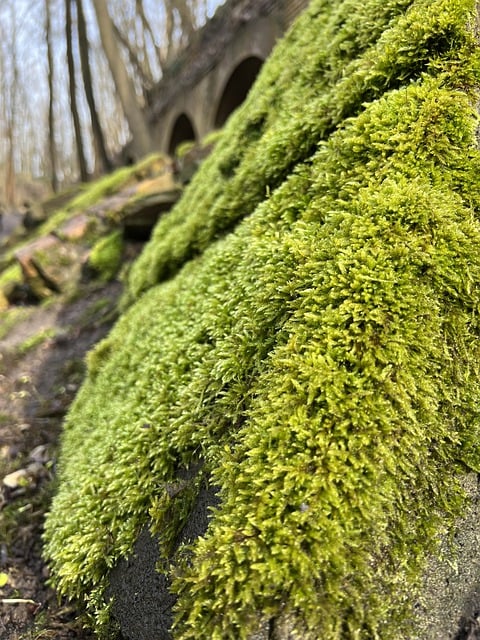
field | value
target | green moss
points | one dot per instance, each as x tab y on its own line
111	183
89	195
10	275
211	138
290	109
184	147
106	255
307	327
34	341
10	317
9	278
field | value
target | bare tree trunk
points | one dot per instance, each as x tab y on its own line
73	93
8	102
51	122
169	27
10	179
187	18
133	58
141	143
98	137
147	31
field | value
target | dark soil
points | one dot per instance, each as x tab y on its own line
41	368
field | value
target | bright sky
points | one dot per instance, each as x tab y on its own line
26	18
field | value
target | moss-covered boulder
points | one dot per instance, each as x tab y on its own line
84	238
301	352
50	265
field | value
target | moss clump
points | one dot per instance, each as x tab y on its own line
106	256
320	359
10	317
10	276
89	195
34	341
184	147
111	183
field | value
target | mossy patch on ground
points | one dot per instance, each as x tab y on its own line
106	255
304	330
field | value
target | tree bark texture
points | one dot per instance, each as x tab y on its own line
141	143
51	117
98	137
73	92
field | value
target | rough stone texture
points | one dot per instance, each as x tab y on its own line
165	182
187	165
449	609
75	228
140	216
142	602
49	265
450	605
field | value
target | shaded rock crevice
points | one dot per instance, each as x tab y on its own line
142	598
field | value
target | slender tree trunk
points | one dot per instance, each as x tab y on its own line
10	179
141	143
133	58
98	137
186	18
169	27
8	102
147	31
73	93
51	120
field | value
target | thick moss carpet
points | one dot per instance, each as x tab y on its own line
302	330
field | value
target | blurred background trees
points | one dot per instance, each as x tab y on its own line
74	79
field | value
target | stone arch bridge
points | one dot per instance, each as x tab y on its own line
212	77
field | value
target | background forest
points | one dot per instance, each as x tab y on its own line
75	77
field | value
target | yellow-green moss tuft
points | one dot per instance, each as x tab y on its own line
307	327
106	255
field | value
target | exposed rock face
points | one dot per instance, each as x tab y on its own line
75	228
142	600
49	265
450	603
58	259
141	214
142	595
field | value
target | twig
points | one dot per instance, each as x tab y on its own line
17	601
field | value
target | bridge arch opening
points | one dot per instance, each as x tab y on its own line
237	88
182	131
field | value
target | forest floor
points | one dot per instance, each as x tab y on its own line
42	364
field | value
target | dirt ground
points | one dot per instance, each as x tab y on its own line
42	353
